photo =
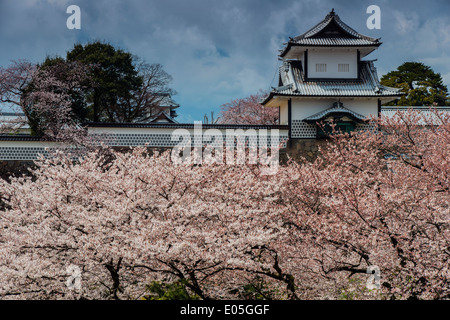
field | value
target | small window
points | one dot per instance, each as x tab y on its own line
343	67
321	67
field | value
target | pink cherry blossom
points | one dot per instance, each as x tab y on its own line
248	110
309	232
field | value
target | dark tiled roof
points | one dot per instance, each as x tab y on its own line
294	84
331	31
181	125
166	101
161	115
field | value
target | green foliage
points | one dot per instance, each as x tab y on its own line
114	76
101	83
421	85
257	289
356	290
169	291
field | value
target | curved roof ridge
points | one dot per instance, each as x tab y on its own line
337	107
332	16
366	85
329	32
373	74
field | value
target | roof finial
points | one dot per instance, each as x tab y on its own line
332	12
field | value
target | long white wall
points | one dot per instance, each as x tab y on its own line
152	137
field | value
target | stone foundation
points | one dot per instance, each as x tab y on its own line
15	168
306	148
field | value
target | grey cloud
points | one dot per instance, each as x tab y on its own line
217	51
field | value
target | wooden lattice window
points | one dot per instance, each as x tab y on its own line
343	67
321	67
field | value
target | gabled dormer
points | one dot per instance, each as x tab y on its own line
330	50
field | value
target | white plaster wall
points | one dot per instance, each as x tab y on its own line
365	107
305	107
333	57
284	115
28	144
282	103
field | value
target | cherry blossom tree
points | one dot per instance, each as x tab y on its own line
248	110
44	96
127	223
13	82
376	199
144	102
371	199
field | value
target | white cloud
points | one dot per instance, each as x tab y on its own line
446	79
405	23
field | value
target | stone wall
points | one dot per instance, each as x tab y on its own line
307	148
15	168
296	148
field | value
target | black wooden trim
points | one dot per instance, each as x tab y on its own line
306	64
359	63
181	125
290	117
273	94
333	79
279	115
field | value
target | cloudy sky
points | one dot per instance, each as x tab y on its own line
219	50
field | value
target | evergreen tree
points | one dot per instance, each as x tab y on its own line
421	85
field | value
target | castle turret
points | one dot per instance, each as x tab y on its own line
323	77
